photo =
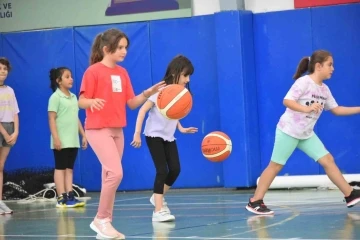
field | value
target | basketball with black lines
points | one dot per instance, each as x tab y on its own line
216	146
174	102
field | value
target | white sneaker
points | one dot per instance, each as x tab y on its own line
4	209
165	207
162	216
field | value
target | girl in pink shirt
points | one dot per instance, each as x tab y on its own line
105	91
305	101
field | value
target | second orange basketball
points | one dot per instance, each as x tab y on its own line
174	102
216	146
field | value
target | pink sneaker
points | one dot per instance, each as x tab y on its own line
104	229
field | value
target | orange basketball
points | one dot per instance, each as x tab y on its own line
174	101
216	146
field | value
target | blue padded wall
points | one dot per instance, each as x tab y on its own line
281	40
195	40
340	35
237	96
137	165
32	55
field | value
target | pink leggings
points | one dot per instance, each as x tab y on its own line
108	145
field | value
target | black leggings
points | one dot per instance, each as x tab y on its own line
65	158
165	155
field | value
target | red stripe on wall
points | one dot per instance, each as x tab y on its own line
314	3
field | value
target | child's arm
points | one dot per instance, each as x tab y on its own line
82	133
53	130
343	111
16	124
141	115
13	137
295	106
4	133
81	129
96	103
180	127
142	97
186	130
139	122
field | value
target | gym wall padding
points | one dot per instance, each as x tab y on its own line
32	55
237	96
244	65
194	38
137	164
281	40
340	34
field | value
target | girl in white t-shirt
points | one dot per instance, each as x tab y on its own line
305	102
159	133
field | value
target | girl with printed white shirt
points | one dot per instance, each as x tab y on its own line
304	103
159	133
9	124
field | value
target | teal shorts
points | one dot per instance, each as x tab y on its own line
285	145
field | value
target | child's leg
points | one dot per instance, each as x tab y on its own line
70	162
317	151
103	143
333	172
157	150
266	178
173	161
118	135
59	177
4	152
284	146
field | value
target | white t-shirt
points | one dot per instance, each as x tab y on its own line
157	125
305	92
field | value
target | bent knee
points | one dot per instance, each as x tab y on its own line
175	171
326	160
275	166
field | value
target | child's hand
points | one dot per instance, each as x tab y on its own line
97	103
154	89
136	143
316	107
189	130
11	139
57	144
84	143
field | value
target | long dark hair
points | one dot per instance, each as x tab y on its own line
110	38
307	64
178	65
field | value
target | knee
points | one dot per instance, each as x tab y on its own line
276	167
326	161
161	172
114	176
118	176
175	171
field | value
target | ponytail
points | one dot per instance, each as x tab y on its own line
307	64
53	77
302	68
96	51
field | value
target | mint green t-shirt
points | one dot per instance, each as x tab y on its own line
67	119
